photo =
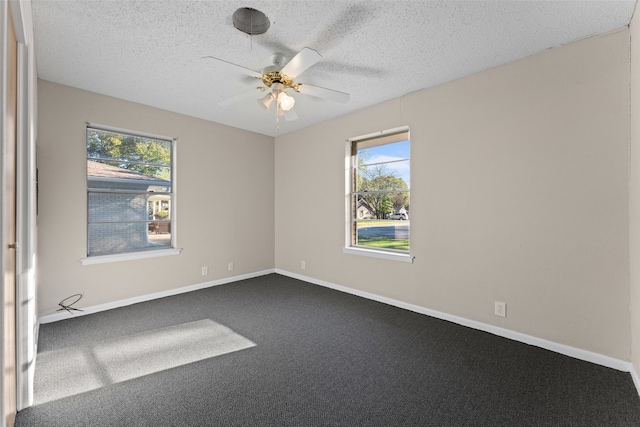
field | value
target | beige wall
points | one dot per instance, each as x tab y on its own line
225	191
634	195
519	194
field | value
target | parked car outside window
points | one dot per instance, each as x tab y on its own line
400	215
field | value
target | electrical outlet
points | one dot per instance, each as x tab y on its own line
230	266
303	265
501	309
205	271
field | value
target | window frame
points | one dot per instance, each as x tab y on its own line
351	173
143	252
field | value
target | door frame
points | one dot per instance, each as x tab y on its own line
26	232
8	202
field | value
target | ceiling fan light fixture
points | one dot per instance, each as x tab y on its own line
266	101
286	102
250	21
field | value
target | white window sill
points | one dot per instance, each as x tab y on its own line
379	254
129	256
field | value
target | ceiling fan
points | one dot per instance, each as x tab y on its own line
278	78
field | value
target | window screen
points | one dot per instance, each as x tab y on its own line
130	198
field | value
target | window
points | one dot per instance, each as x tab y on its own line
379	194
130	194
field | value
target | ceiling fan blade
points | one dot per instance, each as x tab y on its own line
321	92
299	63
238	97
240	68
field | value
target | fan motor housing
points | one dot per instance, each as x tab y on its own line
250	21
271	77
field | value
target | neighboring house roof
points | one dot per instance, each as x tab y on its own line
102	176
97	170
362	207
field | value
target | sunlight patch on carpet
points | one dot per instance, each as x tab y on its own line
70	371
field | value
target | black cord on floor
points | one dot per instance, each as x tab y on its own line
64	306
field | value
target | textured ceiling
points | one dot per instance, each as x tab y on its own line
150	51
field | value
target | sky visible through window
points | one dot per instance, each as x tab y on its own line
391	152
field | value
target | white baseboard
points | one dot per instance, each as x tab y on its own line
577	353
61	315
636	379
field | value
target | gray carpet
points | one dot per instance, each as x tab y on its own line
275	351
